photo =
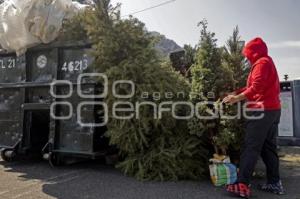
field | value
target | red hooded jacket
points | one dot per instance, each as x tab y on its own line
263	87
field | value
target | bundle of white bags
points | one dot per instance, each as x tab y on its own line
27	23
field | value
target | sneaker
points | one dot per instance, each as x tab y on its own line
276	188
239	189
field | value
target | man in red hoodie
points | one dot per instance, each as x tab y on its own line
262	95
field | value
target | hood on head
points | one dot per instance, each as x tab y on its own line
255	49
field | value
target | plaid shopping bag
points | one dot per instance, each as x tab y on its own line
223	173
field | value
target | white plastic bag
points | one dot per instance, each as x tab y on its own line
13	33
26	23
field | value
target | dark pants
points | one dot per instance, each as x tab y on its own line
260	140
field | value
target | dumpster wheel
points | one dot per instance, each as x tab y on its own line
8	155
55	160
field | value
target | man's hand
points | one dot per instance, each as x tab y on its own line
232	99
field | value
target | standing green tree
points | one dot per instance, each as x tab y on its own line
234	60
209	79
230	131
150	148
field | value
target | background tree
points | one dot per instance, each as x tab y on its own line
189	59
189	55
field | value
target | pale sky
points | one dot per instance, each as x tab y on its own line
276	21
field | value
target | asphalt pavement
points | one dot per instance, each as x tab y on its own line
36	179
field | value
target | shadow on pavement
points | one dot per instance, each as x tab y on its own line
94	180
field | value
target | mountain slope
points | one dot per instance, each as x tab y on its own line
165	46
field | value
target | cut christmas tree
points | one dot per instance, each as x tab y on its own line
151	148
